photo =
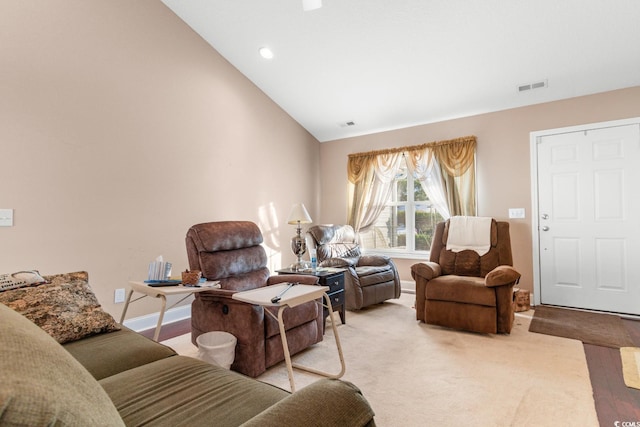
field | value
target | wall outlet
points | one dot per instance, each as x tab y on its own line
119	296
6	217
516	213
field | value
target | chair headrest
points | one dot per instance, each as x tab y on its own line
224	235
327	234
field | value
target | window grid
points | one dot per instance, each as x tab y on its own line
397	230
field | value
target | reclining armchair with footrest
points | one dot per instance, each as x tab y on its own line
370	279
231	252
467	288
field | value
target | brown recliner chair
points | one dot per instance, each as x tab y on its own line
464	290
231	252
370	279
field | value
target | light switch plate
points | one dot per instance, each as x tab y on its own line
517	213
6	217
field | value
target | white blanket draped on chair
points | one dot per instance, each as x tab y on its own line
469	233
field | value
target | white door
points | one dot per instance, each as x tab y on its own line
588	224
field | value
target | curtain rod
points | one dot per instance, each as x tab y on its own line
470	138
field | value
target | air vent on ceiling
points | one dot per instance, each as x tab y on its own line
347	124
530	86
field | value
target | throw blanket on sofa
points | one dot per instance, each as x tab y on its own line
469	233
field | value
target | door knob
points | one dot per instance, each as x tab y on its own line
545	228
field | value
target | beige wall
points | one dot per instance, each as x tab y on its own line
503	159
119	129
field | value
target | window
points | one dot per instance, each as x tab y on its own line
394	211
408	220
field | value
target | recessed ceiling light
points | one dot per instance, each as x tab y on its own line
265	52
308	5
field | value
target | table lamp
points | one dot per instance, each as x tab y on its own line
298	216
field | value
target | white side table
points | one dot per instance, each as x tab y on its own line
294	296
162	292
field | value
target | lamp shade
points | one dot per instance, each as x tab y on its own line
299	214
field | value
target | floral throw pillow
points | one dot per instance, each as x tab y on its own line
66	308
67	277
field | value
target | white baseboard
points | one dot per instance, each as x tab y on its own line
408	286
150	321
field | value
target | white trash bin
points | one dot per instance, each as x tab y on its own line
217	347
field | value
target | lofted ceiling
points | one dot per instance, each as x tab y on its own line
389	64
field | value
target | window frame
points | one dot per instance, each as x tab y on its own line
410	205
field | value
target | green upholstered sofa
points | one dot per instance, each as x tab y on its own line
122	378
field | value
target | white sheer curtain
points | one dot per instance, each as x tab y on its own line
372	188
423	164
445	170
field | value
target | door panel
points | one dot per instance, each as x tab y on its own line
589	219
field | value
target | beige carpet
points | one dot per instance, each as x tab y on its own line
631	366
415	374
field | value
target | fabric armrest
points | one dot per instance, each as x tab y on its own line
326	402
220	293
303	279
427	270
336	262
502	275
377	260
422	272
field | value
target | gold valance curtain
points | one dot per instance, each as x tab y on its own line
446	170
457	163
